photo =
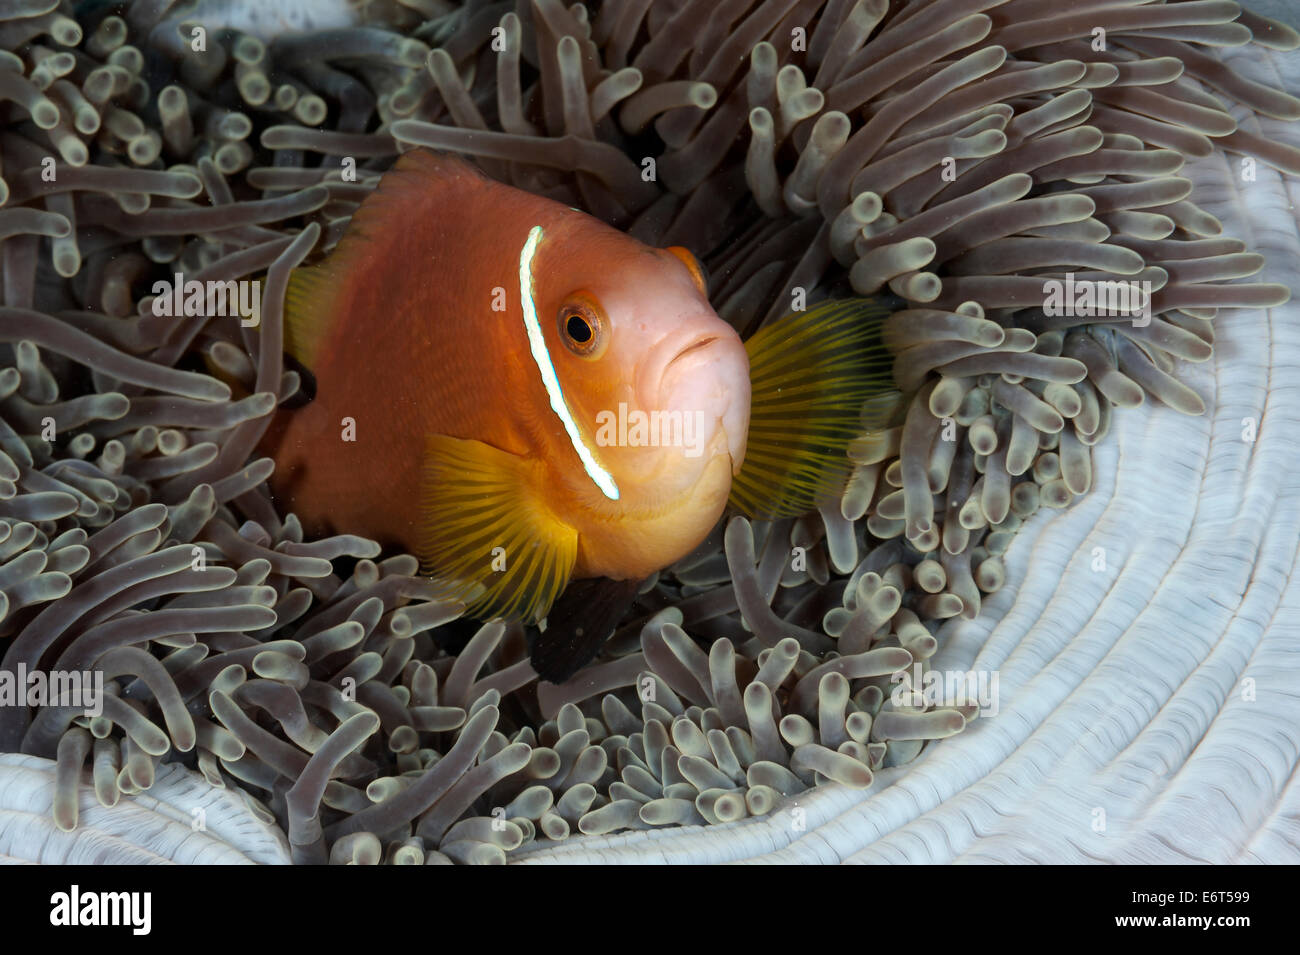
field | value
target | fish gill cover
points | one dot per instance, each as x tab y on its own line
994	164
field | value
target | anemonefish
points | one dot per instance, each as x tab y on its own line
523	396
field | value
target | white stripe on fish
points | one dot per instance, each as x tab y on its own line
542	356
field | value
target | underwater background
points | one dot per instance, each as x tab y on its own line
322	697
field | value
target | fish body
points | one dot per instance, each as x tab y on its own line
523	396
439	346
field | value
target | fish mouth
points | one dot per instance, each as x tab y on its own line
695	346
708	375
684	368
668	359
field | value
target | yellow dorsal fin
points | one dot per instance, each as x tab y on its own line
486	533
810	373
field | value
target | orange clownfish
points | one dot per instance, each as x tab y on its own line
521	396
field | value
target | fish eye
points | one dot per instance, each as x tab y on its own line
581	328
578	329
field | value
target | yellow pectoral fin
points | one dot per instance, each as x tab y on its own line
306	301
487	533
811	373
308	311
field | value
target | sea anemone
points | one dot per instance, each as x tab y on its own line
955	156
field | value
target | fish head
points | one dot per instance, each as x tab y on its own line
657	383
